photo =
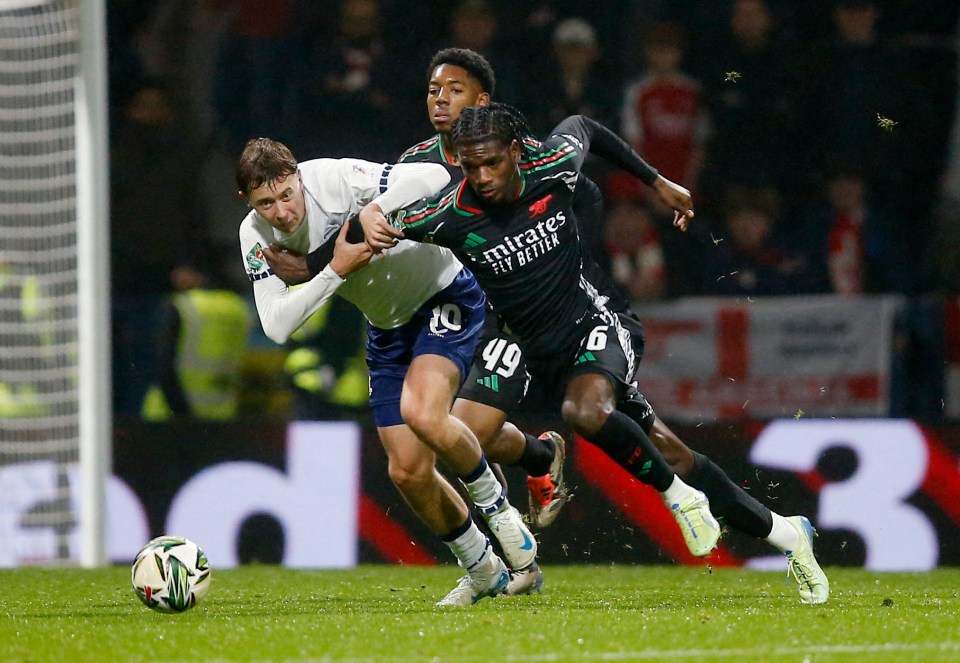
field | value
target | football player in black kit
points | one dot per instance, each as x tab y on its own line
498	380
512	222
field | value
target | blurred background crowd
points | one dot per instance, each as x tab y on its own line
819	138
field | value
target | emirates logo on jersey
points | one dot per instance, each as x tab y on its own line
540	206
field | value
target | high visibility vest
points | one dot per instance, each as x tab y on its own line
20	402
309	372
214	326
19	399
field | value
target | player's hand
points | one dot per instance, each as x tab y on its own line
378	231
348	257
676	198
288	265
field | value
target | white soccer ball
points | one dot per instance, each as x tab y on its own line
170	574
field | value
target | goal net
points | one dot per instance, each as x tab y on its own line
54	368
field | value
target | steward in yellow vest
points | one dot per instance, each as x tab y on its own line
201	353
26	336
327	361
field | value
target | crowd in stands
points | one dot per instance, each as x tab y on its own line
760	104
815	135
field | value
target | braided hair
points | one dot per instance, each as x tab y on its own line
495	121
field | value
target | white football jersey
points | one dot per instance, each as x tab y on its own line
389	290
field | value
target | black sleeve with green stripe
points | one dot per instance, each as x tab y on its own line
597	139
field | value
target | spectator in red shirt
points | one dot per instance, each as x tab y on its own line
851	240
664	116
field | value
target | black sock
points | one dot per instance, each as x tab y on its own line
537	456
624	441
729	502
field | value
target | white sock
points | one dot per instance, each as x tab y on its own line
677	491
485	491
471	548
783	536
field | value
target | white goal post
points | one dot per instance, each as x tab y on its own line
55	400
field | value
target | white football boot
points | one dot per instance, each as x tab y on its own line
700	529
488	579
803	566
518	544
528	581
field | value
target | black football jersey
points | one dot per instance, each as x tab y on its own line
526	254
431	151
587	202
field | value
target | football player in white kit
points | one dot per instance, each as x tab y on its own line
422	334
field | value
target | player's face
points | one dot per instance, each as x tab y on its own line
450	89
492	169
280	202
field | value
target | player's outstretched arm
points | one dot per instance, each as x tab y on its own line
406	183
601	141
598	139
678	199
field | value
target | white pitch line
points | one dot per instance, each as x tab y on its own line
653	654
892	647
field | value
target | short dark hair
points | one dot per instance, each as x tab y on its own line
472	62
263	160
492	122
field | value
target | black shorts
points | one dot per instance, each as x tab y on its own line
498	377
635	405
606	348
632	402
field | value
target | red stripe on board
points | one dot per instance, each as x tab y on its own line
641	504
392	541
864	387
733	343
813	480
942	482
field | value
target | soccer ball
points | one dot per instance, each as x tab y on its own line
170	574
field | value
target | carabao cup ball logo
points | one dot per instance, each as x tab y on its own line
170	574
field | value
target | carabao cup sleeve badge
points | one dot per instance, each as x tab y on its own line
396	219
255	258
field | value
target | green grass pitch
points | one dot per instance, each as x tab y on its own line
386	613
